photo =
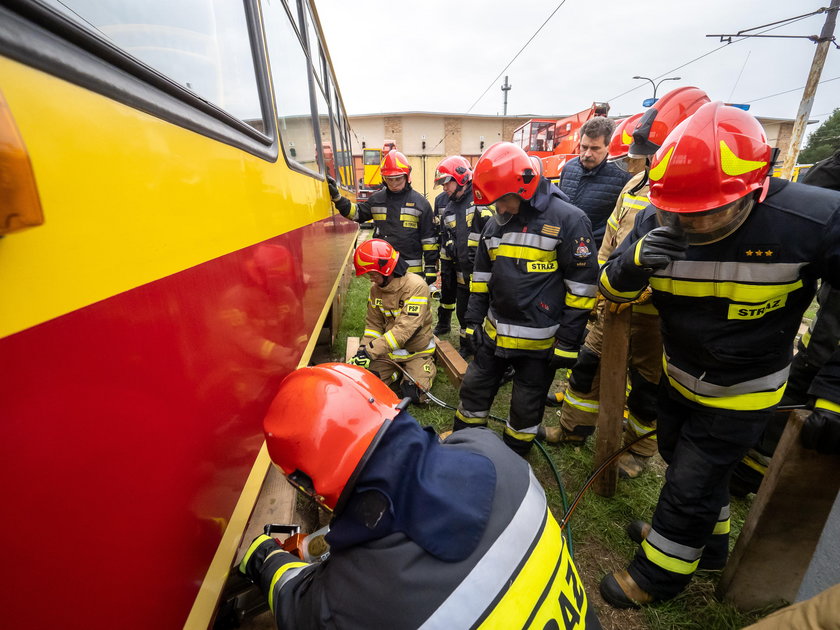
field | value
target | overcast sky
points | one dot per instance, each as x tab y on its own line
431	55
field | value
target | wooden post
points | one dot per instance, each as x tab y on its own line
352	348
784	525
452	363
613	376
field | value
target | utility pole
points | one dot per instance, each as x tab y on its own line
825	39
506	87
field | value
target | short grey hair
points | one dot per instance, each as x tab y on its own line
598	127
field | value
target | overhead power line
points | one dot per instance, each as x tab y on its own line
755	100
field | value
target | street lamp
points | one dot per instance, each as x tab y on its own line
656	85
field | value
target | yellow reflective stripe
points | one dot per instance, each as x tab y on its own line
636	428
575	301
389	337
417	299
518	435
448	307
735	291
523	252
756	466
669	563
411	355
741	402
612	222
430	248
479	287
657	171
822	403
516	343
471	243
415	269
372	333
277	576
565	353
464	418
470	330
601	261
733	165
605	283
251	549
722	527
636	251
353	211
379	216
581	404
806	338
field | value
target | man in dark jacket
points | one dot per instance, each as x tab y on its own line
532	289
424	534
402	216
591	182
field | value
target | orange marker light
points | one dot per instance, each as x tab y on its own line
20	206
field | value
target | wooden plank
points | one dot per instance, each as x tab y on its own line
452	363
613	394
783	527
352	347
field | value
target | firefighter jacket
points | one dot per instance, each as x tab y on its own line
594	191
398	324
731	310
405	220
462	223
825	173
534	281
446	252
510	566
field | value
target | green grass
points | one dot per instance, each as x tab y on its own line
597	525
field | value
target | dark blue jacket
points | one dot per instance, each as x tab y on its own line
594	191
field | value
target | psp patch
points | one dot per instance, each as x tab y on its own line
582	248
412	309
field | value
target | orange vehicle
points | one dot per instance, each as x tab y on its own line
371	162
556	141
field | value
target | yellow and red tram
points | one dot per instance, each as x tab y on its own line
169	253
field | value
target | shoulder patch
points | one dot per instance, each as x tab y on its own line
582	248
410	204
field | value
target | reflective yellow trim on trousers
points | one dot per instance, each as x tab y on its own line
463	418
756	466
430	248
548	577
518	435
566	354
280	572
822	403
585	303
674	565
478	287
735	291
522	252
722	527
743	402
581	404
605	283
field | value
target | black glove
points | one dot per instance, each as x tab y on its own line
251	564
334	194
659	247
822	431
561	359
361	358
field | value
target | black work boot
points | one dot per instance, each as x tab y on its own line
444	323
620	590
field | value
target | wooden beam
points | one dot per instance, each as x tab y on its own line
452	363
613	376
784	524
352	348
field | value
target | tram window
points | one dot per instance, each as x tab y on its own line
203	45
290	75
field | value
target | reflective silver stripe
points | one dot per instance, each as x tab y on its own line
450	224
724	513
492	574
525	332
417	299
379	209
732	271
413	211
683	552
578	288
284	579
529	431
482	276
473	236
771	382
414	262
459	276
473	414
529	240
429	241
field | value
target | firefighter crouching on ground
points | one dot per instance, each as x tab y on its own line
634	143
402	216
423	534
532	289
733	256
461	226
398	324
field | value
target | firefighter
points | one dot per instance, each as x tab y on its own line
448	283
398	325
461	226
633	145
402	216
409	547
533	286
733	256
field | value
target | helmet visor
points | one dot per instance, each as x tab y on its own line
710	226
442	178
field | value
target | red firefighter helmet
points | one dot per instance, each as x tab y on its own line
375	255
503	169
703	176
324	423
657	122
454	167
621	138
395	163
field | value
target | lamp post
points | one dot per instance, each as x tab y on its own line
657	84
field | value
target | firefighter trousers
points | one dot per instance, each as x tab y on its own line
420	366
579	413
690	525
531	381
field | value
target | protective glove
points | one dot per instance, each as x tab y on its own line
334	194
561	359
254	558
660	247
361	358
620	307
822	429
